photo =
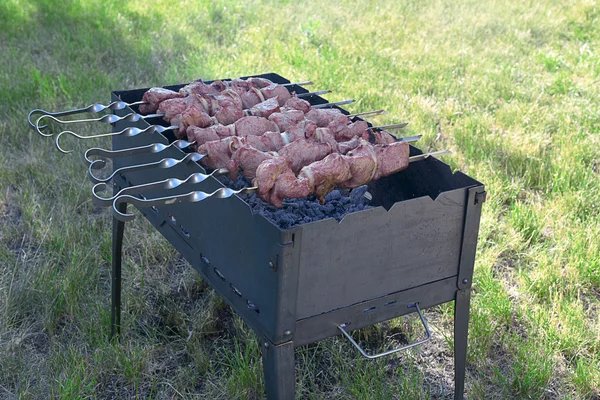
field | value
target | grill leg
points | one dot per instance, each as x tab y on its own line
461	330
279	370
117	250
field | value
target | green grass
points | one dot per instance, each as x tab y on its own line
512	89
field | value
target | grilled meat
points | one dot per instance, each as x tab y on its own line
367	162
154	96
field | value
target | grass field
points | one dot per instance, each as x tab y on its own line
512	89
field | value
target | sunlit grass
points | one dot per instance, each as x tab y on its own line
511	88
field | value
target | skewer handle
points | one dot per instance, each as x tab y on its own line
108	118
92	108
127	132
151	149
166	184
191	197
164	163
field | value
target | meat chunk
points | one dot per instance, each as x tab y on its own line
274	141
194	115
363	165
296	103
227	107
154	96
324	175
276	181
323	135
201	135
303	152
286	119
267	174
391	158
217	153
247	158
254	126
322	116
383	137
251	97
348	131
172	107
199	88
265	108
288	186
276	91
345	147
259	82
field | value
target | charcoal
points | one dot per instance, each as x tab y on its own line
338	203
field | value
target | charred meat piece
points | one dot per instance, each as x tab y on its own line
154	96
276	181
286	119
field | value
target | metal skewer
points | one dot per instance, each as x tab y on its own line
108	118
92	108
313	93
132	117
336	103
391	126
164	163
305	83
127	132
197	196
191	197
150	149
366	113
427	155
170	183
114	106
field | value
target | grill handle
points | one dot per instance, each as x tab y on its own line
385	353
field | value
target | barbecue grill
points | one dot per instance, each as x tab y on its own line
413	249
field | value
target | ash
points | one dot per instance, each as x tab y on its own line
338	203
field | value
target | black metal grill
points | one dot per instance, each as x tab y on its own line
300	285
